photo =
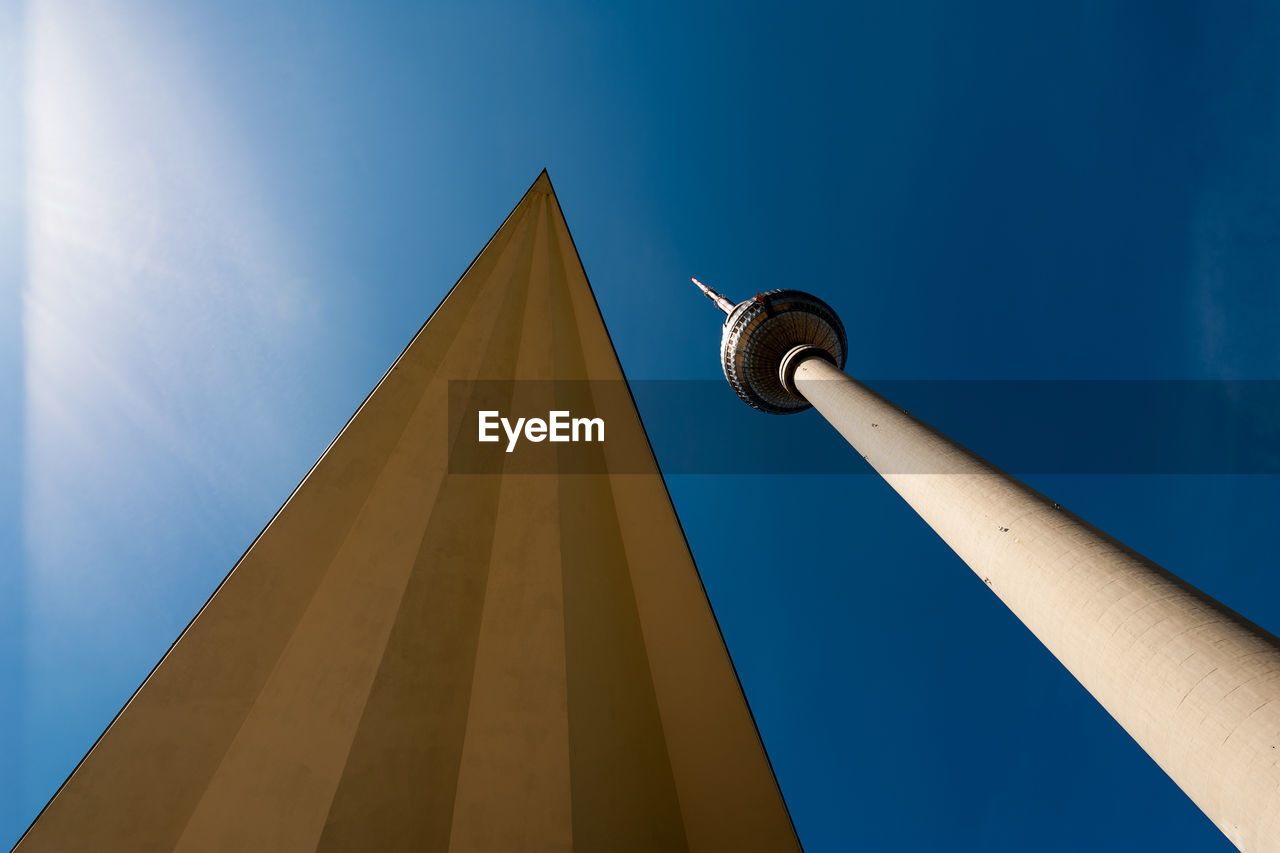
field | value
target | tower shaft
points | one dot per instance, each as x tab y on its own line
1195	684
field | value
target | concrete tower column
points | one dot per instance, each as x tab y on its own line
1195	684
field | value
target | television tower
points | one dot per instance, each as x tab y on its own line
1194	683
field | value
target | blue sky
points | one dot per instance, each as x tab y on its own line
220	222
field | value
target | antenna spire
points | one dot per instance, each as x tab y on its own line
723	304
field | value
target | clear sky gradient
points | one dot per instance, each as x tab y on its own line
221	221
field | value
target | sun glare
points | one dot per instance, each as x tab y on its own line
158	298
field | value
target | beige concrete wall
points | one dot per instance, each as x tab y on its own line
1195	684
411	658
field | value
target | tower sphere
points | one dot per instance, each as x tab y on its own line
760	333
